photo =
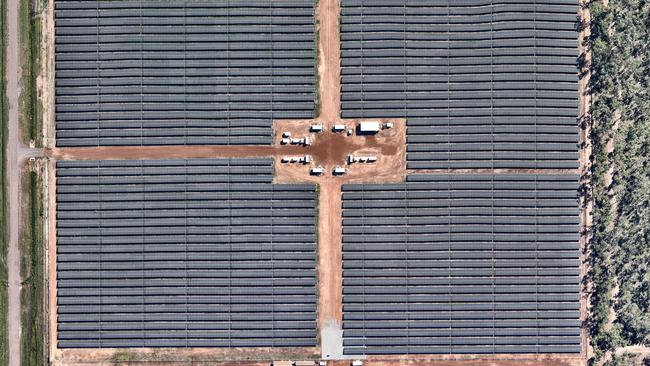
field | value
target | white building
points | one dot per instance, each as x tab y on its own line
369	127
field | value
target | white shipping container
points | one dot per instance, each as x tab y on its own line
369	127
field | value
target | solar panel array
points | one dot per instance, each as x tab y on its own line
181	72
482	84
462	264
184	253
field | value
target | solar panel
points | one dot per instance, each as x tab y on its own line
414	279
139	260
487	85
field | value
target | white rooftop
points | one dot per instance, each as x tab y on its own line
369	127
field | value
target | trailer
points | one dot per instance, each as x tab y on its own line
317	171
338	128
369	127
339	171
316	128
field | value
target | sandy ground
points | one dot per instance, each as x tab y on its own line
13	158
45	81
331	149
50	252
45	88
469	360
329	68
330	253
160	152
181	356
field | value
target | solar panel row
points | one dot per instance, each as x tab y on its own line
210	253
489	84
184	253
462	264
181	72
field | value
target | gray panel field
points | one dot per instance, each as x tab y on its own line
181	72
462	264
483	84
184	253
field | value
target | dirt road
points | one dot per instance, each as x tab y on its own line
13	182
329	69
17	153
165	152
330	269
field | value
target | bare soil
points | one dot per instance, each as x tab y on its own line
331	149
329	67
50	254
45	81
180	356
13	158
330	253
159	152
470	360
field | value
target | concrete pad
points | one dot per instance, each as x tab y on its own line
331	336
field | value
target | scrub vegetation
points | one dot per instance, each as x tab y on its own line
32	268
619	257
30	39
3	202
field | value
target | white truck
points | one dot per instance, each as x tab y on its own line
338	128
317	170
339	171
